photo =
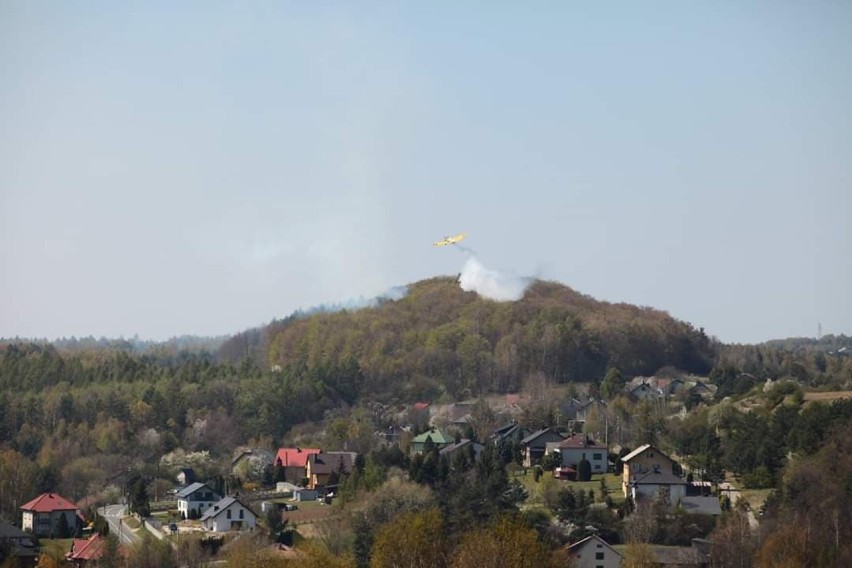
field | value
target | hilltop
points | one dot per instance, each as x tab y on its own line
441	338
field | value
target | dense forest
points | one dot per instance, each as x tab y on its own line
74	413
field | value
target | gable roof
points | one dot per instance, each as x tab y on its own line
49	502
192	488
658	478
579	441
464	442
573	548
87	549
437	436
532	437
220	507
323	463
638	451
294	457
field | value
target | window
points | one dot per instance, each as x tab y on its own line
242	514
599	555
597	456
229	513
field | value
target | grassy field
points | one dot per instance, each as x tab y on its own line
611	480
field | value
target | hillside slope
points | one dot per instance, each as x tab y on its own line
440	338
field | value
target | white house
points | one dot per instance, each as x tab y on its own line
658	483
194	499
578	447
229	514
593	552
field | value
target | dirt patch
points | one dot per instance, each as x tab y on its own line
827	396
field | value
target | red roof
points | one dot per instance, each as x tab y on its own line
49	502
91	549
294	457
421	405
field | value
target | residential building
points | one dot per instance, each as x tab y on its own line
655	484
511	432
321	466
294	463
644	459
196	498
229	514
593	552
17	544
439	439
86	552
534	445
51	515
579	447
464	445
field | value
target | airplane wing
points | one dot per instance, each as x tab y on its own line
450	240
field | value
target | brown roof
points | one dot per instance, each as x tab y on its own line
579	441
325	463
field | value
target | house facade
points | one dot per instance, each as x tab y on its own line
593	552
579	447
641	461
658	484
229	514
194	499
293	462
535	445
320	467
17	544
51	515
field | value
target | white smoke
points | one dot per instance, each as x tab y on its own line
491	284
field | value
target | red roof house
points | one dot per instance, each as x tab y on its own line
84	551
44	515
294	462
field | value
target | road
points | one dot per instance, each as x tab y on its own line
113	514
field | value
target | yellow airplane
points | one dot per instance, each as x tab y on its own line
450	240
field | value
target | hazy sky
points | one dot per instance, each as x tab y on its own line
173	168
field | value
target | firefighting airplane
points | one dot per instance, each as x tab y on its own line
450	240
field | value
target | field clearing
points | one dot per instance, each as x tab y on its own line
612	481
309	512
827	396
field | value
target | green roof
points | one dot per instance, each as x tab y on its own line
437	436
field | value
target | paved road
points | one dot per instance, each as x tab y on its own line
113	515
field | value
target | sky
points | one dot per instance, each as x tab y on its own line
204	167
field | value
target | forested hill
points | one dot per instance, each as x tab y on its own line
439	337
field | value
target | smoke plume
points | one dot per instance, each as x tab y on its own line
491	284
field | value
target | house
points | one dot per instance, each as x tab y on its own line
249	464
194	499
439	439
579	447
86	552
229	514
511	432
534	445
51	515
695	556
645	391
293	462
17	544
585	410
658	483
593	552
464	445
186	476
320	466
643	460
